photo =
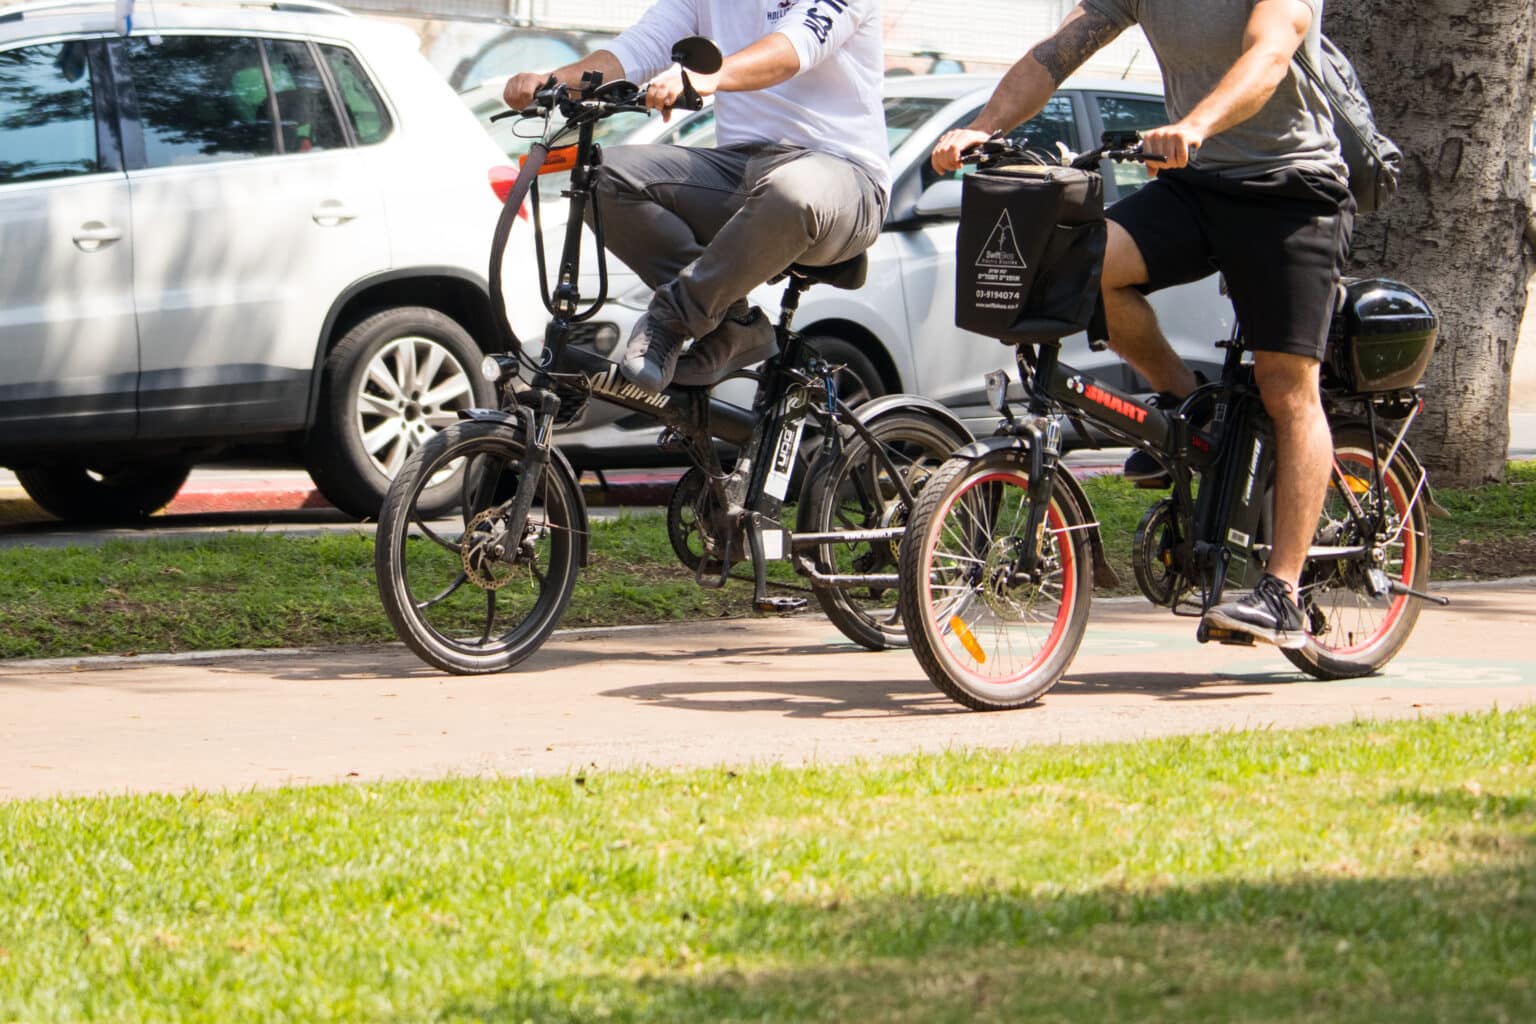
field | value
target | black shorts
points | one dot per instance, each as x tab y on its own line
1281	240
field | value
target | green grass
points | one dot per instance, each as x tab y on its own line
1360	873
269	590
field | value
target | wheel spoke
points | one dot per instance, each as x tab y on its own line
443	595
450	390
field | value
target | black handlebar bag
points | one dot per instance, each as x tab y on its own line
1030	252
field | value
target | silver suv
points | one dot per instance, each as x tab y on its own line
231	227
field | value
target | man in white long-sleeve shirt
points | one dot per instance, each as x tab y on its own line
800	173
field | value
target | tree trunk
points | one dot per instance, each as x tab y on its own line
1453	83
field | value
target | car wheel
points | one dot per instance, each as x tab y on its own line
116	494
858	381
392	382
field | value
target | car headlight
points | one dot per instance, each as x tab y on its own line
637	297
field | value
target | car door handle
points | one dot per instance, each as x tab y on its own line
93	234
332	212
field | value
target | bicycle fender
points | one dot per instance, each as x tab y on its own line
1104	574
557	462
877	407
1407	454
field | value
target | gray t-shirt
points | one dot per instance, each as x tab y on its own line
1196	43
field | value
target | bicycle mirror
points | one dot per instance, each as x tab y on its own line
698	54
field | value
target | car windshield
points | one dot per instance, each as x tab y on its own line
903	116
906	114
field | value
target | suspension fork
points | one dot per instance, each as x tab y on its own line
1044	438
537	432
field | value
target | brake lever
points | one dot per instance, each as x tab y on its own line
691	98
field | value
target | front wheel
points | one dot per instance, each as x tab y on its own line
858	488
988	634
1355	622
468	594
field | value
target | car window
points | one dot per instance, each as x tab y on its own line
905	114
305	115
201	98
1056	123
47	114
365	108
1130	113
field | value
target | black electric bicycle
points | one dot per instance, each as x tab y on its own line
485	592
1003	548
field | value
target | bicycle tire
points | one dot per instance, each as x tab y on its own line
851	490
440	588
1350	632
987	640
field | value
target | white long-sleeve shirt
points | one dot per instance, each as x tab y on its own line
833	105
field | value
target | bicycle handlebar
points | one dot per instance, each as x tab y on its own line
998	149
596	102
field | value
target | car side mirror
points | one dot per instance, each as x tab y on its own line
941	199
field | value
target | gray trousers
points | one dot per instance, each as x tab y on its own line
705	226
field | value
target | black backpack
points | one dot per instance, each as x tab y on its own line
1374	161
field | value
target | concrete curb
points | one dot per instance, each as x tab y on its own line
648	488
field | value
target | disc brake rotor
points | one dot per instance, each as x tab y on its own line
485	551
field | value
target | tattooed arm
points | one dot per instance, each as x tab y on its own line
1027	86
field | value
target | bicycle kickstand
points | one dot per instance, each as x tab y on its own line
761	600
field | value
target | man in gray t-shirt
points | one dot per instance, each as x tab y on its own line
1249	181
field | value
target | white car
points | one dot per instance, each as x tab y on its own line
231	227
898	332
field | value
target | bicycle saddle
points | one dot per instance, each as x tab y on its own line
848	274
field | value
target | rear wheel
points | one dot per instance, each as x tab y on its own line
465	593
106	494
1355	623
857	489
989	635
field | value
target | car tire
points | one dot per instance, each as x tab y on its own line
372	415
859	379
119	494
857	382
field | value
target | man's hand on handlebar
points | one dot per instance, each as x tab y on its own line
520	88
666	90
952	146
1170	146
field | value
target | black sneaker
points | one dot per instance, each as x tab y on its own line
737	343
1143	470
650	359
1267	614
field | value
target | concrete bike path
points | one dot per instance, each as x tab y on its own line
734	692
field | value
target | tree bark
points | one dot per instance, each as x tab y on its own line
1453	83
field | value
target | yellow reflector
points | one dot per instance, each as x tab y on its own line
967	638
1357	484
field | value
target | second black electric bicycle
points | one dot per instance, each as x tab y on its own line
1003	549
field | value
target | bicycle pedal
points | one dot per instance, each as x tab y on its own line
781	605
1216	634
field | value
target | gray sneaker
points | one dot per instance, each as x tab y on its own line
735	344
650	359
1266	614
